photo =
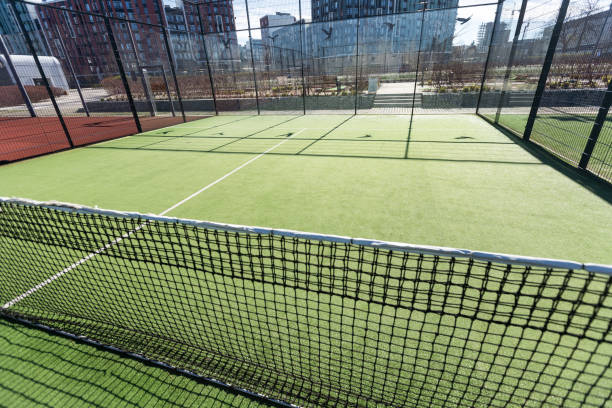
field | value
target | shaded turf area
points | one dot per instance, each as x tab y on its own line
40	369
565	135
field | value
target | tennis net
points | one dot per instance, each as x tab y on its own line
313	320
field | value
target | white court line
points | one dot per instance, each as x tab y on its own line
228	174
129	233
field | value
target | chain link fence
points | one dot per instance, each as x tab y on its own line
75	72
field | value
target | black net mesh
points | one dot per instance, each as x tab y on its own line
312	321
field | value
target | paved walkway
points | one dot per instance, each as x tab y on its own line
395	88
69	104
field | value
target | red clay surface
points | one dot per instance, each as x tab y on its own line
27	137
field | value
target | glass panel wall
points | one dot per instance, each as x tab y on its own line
526	66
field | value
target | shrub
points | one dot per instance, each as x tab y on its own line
10	95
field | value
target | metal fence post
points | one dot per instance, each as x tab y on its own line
167	85
71	69
163	22
486	65
597	126
550	53
515	39
126	85
416	77
146	85
246	3
43	76
210	77
357	56
11	67
172	69
301	34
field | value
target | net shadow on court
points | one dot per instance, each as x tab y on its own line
38	366
315	320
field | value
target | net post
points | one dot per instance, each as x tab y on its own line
172	69
41	71
498	12
596	129
416	77
357	54
246	4
208	68
302	58
550	53
515	40
126	85
11	67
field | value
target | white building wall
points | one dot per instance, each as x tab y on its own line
28	71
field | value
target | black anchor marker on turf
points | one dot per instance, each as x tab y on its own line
361	137
464	137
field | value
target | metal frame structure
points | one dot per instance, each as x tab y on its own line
598	123
517	34
550	53
128	92
11	67
596	130
493	32
41	71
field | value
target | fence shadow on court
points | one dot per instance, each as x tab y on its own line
596	185
362	145
368	149
59	370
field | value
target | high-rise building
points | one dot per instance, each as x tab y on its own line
271	22
85	38
217	16
385	27
502	35
271	39
11	31
329	10
590	33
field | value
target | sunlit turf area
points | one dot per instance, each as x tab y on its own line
451	181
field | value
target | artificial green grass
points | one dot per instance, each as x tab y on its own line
38	369
464	184
566	136
452	181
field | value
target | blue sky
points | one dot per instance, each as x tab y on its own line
257	8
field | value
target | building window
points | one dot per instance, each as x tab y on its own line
69	24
